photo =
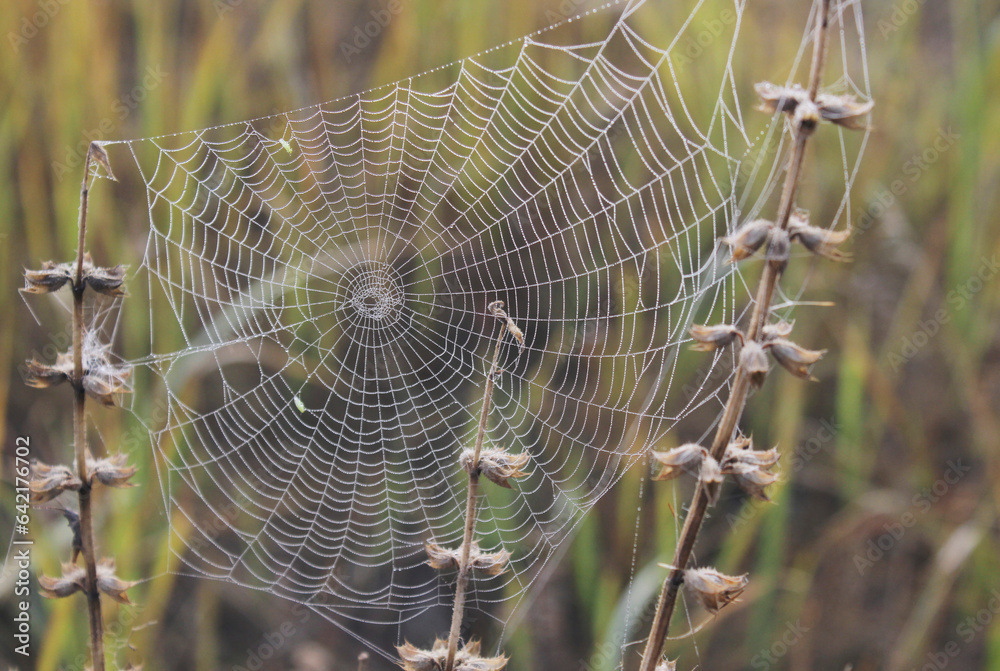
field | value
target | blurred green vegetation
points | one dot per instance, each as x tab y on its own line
872	555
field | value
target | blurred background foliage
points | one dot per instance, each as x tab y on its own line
882	549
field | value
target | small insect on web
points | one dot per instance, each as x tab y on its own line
317	308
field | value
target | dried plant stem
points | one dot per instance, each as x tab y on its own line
462	583
80	437
741	384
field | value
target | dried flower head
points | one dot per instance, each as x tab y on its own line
747	239
97	154
107	383
107	281
752	478
41	376
710	477
112	471
806	116
111	584
817	240
715	590
52	277
795	359
73	520
496	309
102	379
670	464
708	338
498	466
779	250
667	665
444	559
466	659
843	110
749	467
779	329
753	360
48	482
742	451
774	98
73	579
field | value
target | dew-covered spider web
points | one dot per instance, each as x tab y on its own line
316	284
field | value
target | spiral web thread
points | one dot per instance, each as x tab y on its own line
316	285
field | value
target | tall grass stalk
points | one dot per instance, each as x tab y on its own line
805	109
80	447
90	372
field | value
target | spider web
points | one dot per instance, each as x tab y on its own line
316	283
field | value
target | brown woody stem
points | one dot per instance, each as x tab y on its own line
741	384
462	583
80	437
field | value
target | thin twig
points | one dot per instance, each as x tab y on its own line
741	384
470	506
80	435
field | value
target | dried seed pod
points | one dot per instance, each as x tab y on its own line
710	338
516	332
107	281
715	590
490	563
73	579
844	110
710	476
753	360
415	659
444	559
795	359
48	482
820	240
107	382
466	659
672	463
52	277
806	116
496	309
774	98
110	471
752	478
73	520
779	250
111	584
42	376
742	451
780	329
747	239
498	466
97	154
476	663
667	665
